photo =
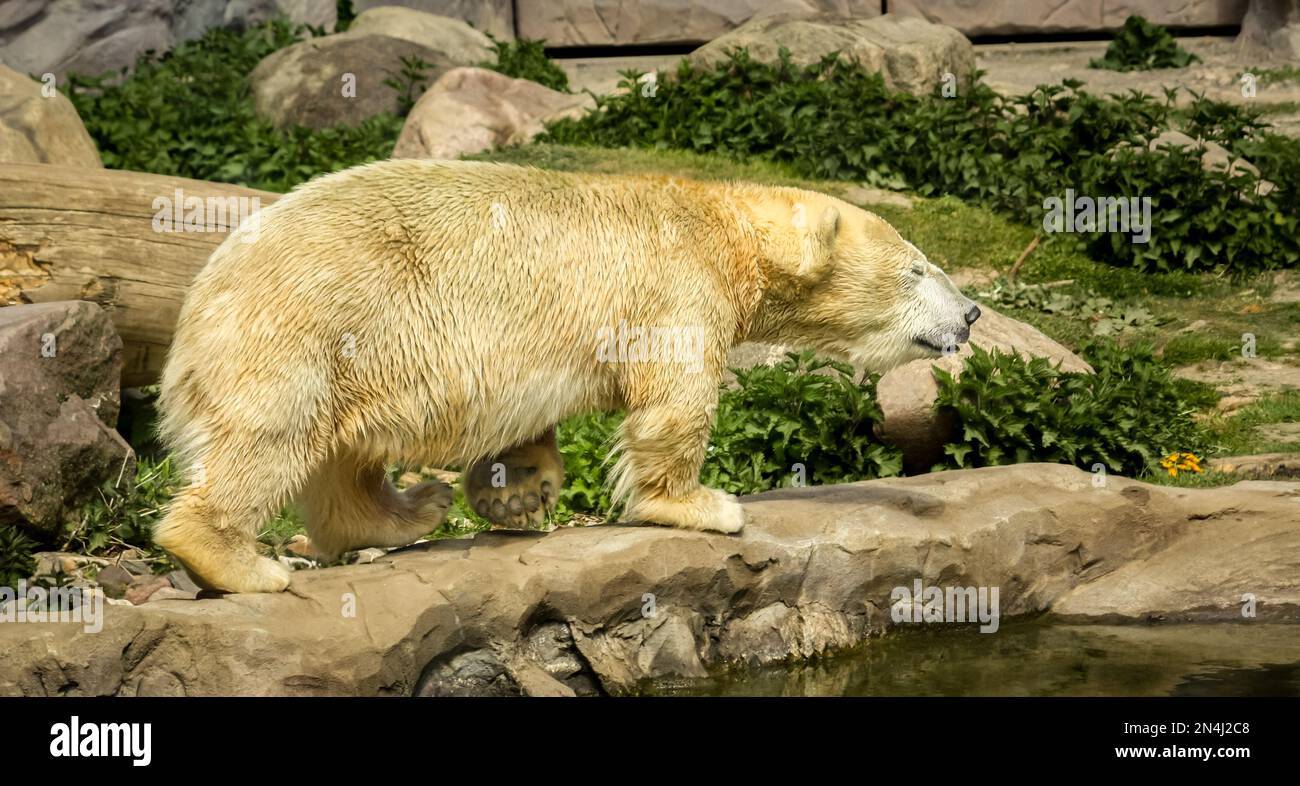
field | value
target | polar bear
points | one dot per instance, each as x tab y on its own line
446	313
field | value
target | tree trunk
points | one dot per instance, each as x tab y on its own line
108	236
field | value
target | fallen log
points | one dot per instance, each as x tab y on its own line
129	241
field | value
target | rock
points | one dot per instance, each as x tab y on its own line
906	394
171	593
813	572
1213	156
144	587
593	22
911	54
60	364
114	580
35	129
494	17
1270	29
94	36
56	563
182	581
336	80
452	37
867	196
367	556
1004	17
72	233
469	110
1265	466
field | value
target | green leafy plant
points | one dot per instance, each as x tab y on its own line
1127	416
1140	46
123	518
801	421
524	58
16	561
836	120
1105	316
190	113
409	82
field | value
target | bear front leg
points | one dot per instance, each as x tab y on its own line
519	487
658	472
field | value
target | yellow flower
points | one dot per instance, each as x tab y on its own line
1186	462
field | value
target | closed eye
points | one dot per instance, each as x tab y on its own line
918	269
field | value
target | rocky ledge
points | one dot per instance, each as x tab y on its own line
600	609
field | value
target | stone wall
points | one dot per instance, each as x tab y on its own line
93	36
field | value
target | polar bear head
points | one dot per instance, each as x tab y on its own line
846	284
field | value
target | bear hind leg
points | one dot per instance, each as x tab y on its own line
349	504
211	526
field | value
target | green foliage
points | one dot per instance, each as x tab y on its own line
16	561
409	82
1140	45
346	13
586	443
1127	416
524	58
1105	316
836	120
802	411
190	113
123	518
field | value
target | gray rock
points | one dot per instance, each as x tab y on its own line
452	37
587	22
910	54
95	36
469	110
60	364
1002	17
40	129
336	80
114	580
813	572
493	17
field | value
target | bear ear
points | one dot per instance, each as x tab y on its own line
828	228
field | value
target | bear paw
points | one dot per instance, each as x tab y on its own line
519	488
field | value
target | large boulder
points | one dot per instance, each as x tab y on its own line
108	236
583	610
60	366
494	17
469	110
1270	30
593	22
95	36
36	128
906	394
337	79
910	54
452	37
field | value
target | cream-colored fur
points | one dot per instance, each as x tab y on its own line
451	313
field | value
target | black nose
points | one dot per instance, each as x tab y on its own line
973	314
